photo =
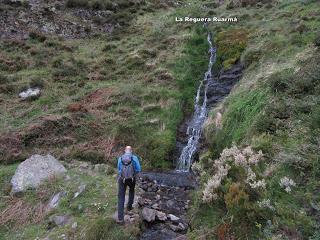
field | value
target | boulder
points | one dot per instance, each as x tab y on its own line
148	214
30	94
33	171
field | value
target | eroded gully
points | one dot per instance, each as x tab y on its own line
165	196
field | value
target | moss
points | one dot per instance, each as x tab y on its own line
231	43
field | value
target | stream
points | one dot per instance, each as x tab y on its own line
165	197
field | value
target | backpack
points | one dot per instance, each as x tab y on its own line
127	171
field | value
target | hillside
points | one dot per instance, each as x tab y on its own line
117	73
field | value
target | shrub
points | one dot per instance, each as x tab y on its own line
77	3
315	118
3	79
236	165
236	198
89	156
37	35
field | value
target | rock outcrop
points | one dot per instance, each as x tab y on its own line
33	171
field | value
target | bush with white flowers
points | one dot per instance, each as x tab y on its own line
287	183
242	160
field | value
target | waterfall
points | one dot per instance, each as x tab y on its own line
199	116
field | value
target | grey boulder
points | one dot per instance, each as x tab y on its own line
148	214
33	171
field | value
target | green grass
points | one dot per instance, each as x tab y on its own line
245	108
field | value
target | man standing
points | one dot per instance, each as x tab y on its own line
128	169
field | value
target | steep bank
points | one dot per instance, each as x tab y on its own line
273	110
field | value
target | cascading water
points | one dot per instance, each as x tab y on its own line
199	116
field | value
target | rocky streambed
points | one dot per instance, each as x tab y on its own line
163	202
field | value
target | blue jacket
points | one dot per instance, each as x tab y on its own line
135	162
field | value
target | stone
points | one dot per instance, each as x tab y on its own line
158	197
34	170
161	216
148	214
55	199
174	228
81	188
170	203
140	201
155	206
173	218
30	94
74	225
177	228
182	227
59	220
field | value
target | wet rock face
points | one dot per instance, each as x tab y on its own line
164	201
222	84
218	88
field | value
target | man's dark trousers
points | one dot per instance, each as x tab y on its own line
122	186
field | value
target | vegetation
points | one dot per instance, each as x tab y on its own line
27	217
107	88
273	109
135	85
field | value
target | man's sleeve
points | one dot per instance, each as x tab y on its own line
137	164
119	165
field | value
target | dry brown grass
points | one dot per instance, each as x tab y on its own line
19	212
105	146
11	147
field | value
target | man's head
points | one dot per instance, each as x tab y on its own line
128	149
